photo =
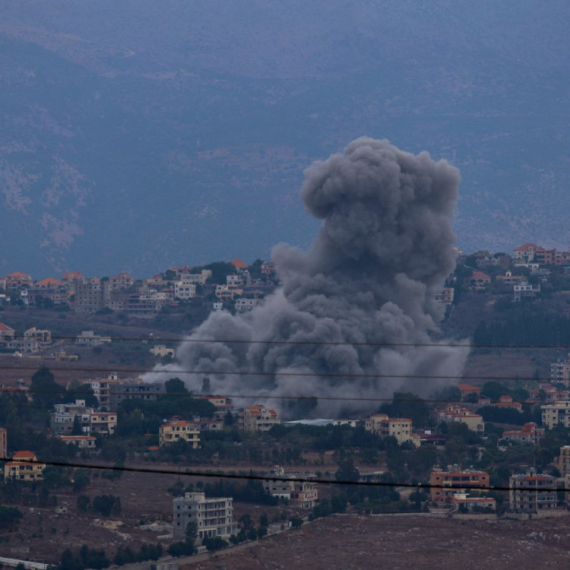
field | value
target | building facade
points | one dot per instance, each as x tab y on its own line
532	492
445	483
213	516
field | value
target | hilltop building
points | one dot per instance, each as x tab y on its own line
532	492
258	418
384	426
455	478
213	516
24	467
178	430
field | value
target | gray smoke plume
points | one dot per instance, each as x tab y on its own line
369	280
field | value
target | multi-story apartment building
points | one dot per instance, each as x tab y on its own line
384	426
121	281
135	388
532	492
178	430
42	336
24	467
90	421
303	494
63	419
91	295
223	406
564	460
213	517
184	290
560	372
555	414
455	479
456	413
103	422
258	418
243	305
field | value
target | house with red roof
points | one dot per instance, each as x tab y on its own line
17	280
24	467
239	264
71	276
529	433
479	281
6	332
258	418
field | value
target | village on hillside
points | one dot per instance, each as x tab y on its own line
82	429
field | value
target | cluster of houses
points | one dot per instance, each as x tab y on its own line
535	259
139	298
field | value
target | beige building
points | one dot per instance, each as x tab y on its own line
556	413
24	467
213	516
177	430
445	484
455	413
258	418
3	444
532	492
303	494
564	460
81	441
384	426
103	422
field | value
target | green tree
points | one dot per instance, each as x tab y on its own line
46	391
175	386
347	471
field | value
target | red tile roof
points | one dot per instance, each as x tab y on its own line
239	264
24	455
5	328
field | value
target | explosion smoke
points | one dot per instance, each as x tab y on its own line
370	278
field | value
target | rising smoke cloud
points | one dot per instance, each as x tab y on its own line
370	278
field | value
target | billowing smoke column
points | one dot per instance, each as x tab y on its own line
369	281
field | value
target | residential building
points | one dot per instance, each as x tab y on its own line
525	253
6	332
63	419
71	277
268	267
24	467
184	290
258	418
564	460
555	414
467	390
384	426
162	351
91	295
130	389
239	264
456	413
446	296
42	336
243	305
529	433
146	305
178	430
17	280
103	422
303	494
559	371
225	292
479	281
121	282
223	406
83	442
23	344
213	516
524	290
464	501
509	279
507	402
89	338
445	483
532	492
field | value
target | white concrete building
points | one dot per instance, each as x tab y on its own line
213	516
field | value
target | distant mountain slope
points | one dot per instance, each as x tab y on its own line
138	134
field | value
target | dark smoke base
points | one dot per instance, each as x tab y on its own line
371	276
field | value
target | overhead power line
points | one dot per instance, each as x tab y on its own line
173	373
295	479
434	344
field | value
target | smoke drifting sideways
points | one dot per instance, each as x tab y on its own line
370	279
